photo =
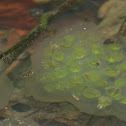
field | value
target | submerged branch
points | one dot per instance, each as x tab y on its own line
42	26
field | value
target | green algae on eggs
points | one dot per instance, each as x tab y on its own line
58	55
68	41
96	49
76	66
91	93
114	57
120	82
114	47
122	66
76	80
103	102
79	53
111	72
114	92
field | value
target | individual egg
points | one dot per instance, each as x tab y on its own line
47	52
120	82
94	61
96	49
58	55
123	101
111	72
76	80
46	77
74	66
63	85
113	92
69	38
68	41
79	53
114	46
121	66
91	93
114	57
61	71
103	102
49	63
93	76
101	83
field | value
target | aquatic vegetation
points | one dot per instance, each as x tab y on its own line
77	67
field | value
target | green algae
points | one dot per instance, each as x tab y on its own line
76	80
47	52
123	101
63	85
93	76
68	41
79	53
114	92
111	72
94	61
67	44
91	93
120	82
96	49
58	55
61	72
49	63
74	66
114	47
101	83
103	102
46	77
69	38
121	66
114	57
79	68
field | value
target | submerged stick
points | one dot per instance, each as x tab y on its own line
42	26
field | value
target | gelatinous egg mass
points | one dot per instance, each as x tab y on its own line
76	66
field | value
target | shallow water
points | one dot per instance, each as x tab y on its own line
67	76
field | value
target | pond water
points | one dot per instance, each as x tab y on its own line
68	76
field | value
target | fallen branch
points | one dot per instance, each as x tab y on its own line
42	26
